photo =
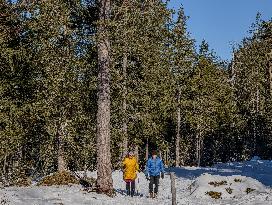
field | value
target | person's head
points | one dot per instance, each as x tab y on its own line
154	154
130	154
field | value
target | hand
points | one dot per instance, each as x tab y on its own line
162	175
147	177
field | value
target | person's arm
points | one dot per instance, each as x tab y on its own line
161	166
124	165
147	170
162	169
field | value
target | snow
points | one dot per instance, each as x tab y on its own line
192	185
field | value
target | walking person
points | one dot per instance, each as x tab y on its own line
130	168
154	169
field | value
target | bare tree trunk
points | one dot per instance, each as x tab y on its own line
136	151
5	168
178	133
270	71
104	166
199	147
124	129
146	151
198	151
62	166
167	157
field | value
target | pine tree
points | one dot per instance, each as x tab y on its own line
252	90
183	60
104	167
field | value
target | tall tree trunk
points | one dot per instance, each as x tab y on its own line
178	132
167	157
62	166
199	146
5	175
104	166
124	108
136	151
270	71
146	151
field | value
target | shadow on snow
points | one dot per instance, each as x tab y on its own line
260	170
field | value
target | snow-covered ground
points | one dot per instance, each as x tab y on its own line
192	187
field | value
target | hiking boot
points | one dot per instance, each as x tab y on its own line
151	195
132	193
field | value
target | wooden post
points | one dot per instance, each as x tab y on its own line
173	188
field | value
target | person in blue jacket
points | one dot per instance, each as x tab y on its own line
154	169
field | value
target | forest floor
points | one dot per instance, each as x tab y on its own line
248	182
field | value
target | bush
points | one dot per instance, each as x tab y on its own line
59	178
214	194
229	190
249	190
215	184
238	180
23	181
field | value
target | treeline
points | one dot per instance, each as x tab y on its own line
164	93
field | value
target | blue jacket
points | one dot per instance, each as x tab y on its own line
154	167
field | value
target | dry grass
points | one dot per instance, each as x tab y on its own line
58	178
23	181
238	180
215	184
229	190
214	194
249	190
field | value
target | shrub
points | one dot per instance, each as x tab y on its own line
58	178
215	184
249	190
214	194
229	190
238	180
23	181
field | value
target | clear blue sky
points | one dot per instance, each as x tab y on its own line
221	22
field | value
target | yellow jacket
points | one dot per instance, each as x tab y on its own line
130	166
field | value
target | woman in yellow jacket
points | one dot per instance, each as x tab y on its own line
130	167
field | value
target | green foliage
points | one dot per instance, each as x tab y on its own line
48	64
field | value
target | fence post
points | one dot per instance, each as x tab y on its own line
173	188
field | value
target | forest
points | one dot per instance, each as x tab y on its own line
83	82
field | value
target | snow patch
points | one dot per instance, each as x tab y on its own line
235	186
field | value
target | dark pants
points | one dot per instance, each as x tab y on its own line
130	187
154	180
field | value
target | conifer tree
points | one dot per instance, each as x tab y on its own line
183	64
104	167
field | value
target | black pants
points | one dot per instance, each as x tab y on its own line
154	180
130	188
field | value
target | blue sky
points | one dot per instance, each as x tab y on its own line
221	22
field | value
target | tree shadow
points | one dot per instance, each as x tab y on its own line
124	193
260	170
